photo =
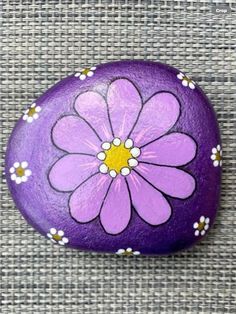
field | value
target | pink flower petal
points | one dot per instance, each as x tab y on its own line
86	201
74	135
116	210
149	203
169	180
93	108
158	116
175	149
71	170
124	103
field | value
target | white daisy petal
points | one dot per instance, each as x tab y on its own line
13	177
216	163
120	251
106	145
128	143
101	156
129	249
125	171
213	157
93	68
33	105
28	172
218	147
135	151
35	116
38	109
90	73
132	162
18	180
136	253
60	233
203	232
61	242
113	173
82	77
53	231
24	164
24	179
24	117
206	227
207	220
221	162
16	164
116	141
49	235
202	219
214	150
185	82
195	225
77	74
180	76
191	85
30	119
65	240
54	241
196	233
221	152
12	170
103	168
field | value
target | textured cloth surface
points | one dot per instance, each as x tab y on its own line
43	41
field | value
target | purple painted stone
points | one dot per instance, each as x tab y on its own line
125	157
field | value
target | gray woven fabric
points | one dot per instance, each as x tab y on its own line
43	41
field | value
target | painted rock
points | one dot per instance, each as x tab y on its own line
124	157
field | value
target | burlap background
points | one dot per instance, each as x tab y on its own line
43	41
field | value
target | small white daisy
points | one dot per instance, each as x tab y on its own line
32	113
118	157
19	172
87	72
202	226
217	156
186	81
127	252
57	236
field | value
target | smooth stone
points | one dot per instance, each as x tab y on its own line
124	158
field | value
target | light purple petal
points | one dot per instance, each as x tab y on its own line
124	104
149	203
86	201
92	107
74	135
175	149
71	170
116	210
158	116
171	181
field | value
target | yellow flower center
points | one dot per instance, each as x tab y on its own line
187	79
218	157
117	157
86	71
56	237
201	226
20	171
31	112
126	253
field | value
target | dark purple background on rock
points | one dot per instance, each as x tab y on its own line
44	208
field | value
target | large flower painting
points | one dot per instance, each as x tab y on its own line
120	155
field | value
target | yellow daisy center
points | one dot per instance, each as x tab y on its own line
128	253
117	157
20	171
86	71
201	226
56	237
187	79
218	157
31	112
